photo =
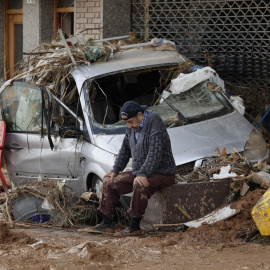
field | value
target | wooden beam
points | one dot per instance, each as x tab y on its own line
14	11
65	9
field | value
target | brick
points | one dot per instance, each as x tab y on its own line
96	9
96	20
82	20
89	15
80	10
90	4
89	25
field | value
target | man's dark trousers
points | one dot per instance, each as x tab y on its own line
122	184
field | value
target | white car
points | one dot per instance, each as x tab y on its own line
76	137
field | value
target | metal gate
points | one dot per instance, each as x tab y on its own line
232	35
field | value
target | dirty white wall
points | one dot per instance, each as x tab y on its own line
37	23
89	15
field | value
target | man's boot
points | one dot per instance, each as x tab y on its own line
133	229
105	226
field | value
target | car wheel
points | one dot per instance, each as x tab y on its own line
96	185
29	207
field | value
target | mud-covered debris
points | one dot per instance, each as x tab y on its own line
62	209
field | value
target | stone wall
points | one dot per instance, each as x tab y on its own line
89	18
1	38
30	25
37	23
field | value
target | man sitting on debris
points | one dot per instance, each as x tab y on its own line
153	167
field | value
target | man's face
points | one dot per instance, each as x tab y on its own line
133	122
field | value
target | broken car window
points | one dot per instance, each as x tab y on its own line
196	104
106	95
21	105
63	122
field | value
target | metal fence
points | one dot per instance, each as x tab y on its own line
233	34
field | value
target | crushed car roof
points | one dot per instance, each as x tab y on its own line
129	59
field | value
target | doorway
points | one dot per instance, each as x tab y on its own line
13	36
64	17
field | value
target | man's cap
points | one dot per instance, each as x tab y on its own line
132	108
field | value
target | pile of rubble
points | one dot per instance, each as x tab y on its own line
54	204
48	203
234	167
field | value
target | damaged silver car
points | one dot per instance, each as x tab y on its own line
75	138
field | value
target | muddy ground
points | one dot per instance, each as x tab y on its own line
231	244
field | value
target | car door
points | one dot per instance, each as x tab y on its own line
33	146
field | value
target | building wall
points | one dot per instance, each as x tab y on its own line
37	23
116	18
30	25
1	38
46	14
88	17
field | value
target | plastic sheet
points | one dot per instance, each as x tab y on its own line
224	173
186	81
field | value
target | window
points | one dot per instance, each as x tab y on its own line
22	108
22	105
64	16
15	4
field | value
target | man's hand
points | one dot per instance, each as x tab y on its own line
110	174
141	180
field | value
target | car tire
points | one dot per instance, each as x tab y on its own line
28	206
96	185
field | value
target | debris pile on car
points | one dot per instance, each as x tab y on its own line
50	64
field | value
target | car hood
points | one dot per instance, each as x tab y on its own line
198	140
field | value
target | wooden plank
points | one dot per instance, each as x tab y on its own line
12	21
65	9
14	12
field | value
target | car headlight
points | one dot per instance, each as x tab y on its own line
255	147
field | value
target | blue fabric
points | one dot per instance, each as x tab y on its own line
137	132
40	218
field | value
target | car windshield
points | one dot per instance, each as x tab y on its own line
106	95
196	104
